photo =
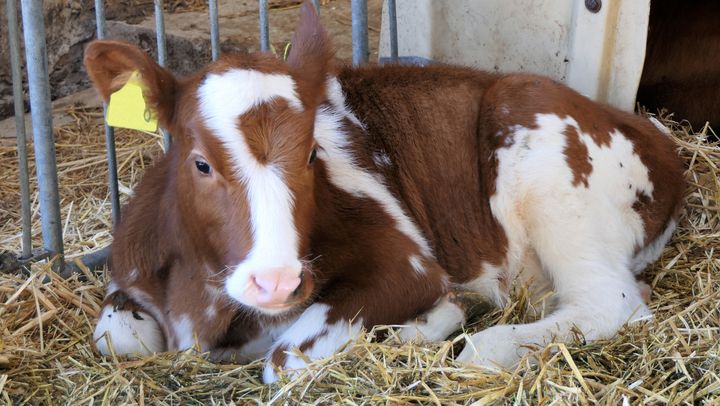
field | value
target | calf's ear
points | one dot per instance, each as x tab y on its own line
111	63
311	56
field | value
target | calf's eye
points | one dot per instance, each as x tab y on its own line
313	156
203	167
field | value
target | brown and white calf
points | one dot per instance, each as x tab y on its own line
299	204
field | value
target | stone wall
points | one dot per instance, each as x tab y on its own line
69	26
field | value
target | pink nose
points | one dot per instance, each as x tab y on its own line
275	287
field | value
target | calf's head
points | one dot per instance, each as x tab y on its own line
242	157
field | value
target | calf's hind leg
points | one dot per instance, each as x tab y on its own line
129	328
594	309
584	229
587	259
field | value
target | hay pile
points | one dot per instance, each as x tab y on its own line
45	356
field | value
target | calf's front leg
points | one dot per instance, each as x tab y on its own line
124	327
345	308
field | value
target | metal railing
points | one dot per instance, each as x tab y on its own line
41	113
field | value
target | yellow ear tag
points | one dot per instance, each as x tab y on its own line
127	108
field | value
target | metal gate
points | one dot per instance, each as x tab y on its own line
41	113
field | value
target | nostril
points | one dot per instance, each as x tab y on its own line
265	285
288	285
255	283
299	286
274	286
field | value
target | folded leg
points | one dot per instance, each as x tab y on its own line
352	304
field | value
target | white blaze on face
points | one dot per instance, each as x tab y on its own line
223	98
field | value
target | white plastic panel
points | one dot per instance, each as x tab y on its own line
599	54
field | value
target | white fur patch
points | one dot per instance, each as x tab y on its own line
651	252
337	99
259	346
584	237
533	172
488	284
443	319
184	332
129	333
416	264
312	325
242	89
223	98
348	176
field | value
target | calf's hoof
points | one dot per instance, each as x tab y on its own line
494	349
130	330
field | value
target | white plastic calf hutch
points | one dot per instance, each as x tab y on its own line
596	47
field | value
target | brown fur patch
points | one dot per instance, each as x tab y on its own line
120	301
430	122
305	345
279	356
274	134
577	157
659	155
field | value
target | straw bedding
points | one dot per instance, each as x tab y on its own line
46	356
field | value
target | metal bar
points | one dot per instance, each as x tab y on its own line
316	3
10	263
96	259
392	19
214	29
359	32
93	261
109	131
161	54
45	165
264	30
160	33
14	40
100	18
